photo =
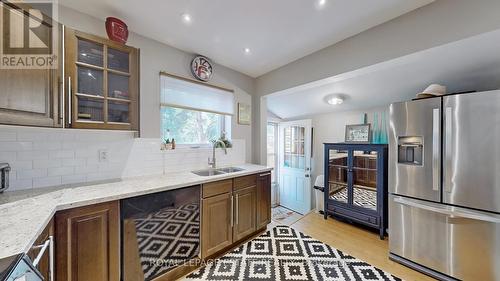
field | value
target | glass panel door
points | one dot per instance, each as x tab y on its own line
365	179
295	141
294	153
337	178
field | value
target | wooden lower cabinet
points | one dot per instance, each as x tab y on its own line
233	210
263	200
245	212
87	243
217	229
44	264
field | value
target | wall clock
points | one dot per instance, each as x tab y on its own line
201	68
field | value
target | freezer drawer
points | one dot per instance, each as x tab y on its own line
472	150
455	241
415	148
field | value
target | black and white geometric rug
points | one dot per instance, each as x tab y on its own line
167	238
286	254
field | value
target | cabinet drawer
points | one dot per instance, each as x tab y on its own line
351	214
245	181
215	188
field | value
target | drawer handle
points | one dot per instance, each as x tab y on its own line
449	210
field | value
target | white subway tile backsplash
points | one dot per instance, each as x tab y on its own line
62	154
73	162
47	181
21	165
16	184
33	155
69	179
61	171
8	156
8	136
34	135
87	169
29	174
15	146
46	163
53	145
42	157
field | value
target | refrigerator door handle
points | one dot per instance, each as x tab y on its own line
449	210
448	154
436	142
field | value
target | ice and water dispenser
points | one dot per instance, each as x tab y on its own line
410	150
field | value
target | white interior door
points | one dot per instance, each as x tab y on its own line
295	165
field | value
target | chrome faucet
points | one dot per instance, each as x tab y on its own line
212	162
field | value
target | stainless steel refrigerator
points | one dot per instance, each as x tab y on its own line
444	185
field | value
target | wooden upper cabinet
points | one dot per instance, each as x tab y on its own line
87	243
29	96
101	82
263	200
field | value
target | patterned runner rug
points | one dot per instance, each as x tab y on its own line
286	254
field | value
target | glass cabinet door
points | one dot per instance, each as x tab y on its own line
337	175
364	176
104	82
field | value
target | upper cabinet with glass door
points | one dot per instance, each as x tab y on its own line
101	83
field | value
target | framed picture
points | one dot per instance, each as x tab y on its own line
360	133
244	114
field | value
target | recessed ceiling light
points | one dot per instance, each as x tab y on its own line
320	3
335	100
247	51
186	18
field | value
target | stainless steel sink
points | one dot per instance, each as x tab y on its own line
231	169
208	172
214	172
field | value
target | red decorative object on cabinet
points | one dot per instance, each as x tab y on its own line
117	30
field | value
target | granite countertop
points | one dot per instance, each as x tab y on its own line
24	215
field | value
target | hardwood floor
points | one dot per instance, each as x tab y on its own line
360	243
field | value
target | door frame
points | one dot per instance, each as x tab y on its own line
307	124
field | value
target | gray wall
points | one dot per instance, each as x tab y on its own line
156	57
441	22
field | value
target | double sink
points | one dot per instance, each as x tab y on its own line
219	171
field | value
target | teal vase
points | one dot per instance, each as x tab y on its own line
375	129
383	130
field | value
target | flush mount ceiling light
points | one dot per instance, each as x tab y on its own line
334	100
186	18
247	51
320	4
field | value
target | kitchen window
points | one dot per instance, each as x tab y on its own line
193	113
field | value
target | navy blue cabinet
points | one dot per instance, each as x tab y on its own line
356	183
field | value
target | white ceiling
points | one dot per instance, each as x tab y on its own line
277	32
470	64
